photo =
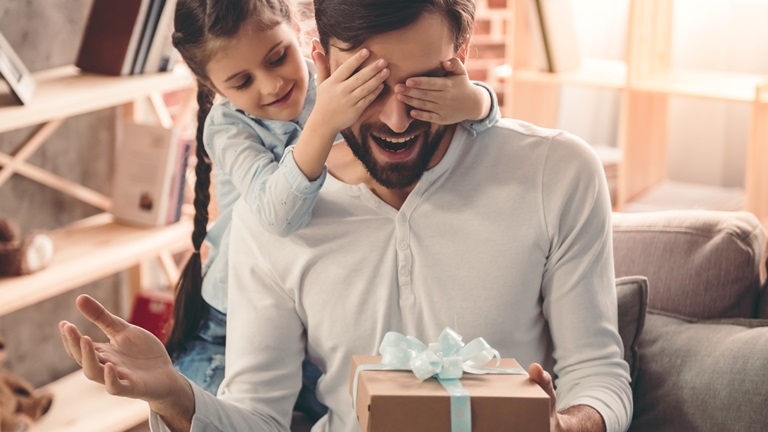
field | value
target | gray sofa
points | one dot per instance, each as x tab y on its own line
691	296
700	352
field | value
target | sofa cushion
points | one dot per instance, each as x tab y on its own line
705	375
632	299
699	263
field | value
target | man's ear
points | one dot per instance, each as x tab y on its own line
321	61
463	53
317	46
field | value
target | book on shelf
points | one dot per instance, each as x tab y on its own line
112	36
146	164
178	185
162	55
153	311
128	37
553	23
147	35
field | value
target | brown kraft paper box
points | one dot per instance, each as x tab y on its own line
396	401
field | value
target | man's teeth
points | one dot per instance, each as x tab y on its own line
398	140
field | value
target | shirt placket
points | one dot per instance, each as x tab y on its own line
404	257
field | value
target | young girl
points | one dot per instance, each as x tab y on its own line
272	110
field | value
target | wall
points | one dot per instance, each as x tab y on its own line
707	34
81	151
725	36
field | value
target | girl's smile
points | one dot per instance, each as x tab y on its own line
282	100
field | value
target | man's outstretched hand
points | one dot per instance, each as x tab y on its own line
133	363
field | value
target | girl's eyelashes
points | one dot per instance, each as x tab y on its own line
279	60
246	82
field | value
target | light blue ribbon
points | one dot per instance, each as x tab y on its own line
447	360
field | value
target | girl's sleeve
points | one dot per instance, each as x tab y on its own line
494	114
278	194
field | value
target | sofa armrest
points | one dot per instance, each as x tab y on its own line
699	263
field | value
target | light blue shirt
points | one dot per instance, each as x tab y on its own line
244	151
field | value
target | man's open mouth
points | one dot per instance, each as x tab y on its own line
395	144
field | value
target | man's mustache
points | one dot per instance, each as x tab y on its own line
415	127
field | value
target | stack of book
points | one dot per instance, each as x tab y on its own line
128	37
149	179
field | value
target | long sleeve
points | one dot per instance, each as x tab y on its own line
494	114
579	296
265	347
245	155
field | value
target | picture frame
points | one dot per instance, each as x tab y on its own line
13	71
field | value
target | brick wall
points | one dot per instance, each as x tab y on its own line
487	46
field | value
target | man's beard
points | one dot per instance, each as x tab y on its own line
395	175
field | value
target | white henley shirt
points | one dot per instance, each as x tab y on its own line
507	238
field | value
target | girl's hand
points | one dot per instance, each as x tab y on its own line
445	100
344	95
133	363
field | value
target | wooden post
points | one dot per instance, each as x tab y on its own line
645	115
533	102
756	176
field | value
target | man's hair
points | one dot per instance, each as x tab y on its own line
355	21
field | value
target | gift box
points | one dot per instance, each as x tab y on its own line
396	400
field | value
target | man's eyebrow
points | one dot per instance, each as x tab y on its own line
234	75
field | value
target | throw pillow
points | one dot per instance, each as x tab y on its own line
632	299
702	375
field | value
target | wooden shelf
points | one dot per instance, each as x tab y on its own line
726	86
671	195
66	91
80	405
593	73
89	250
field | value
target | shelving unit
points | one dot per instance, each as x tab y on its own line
82	405
95	247
646	81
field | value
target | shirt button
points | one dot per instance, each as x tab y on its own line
405	272
403	245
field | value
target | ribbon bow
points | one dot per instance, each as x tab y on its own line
447	360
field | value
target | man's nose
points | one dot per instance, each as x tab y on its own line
395	114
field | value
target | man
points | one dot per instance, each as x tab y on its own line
505	235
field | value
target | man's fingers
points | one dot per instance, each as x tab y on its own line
71	339
63	335
544	380
112	382
99	315
92	369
